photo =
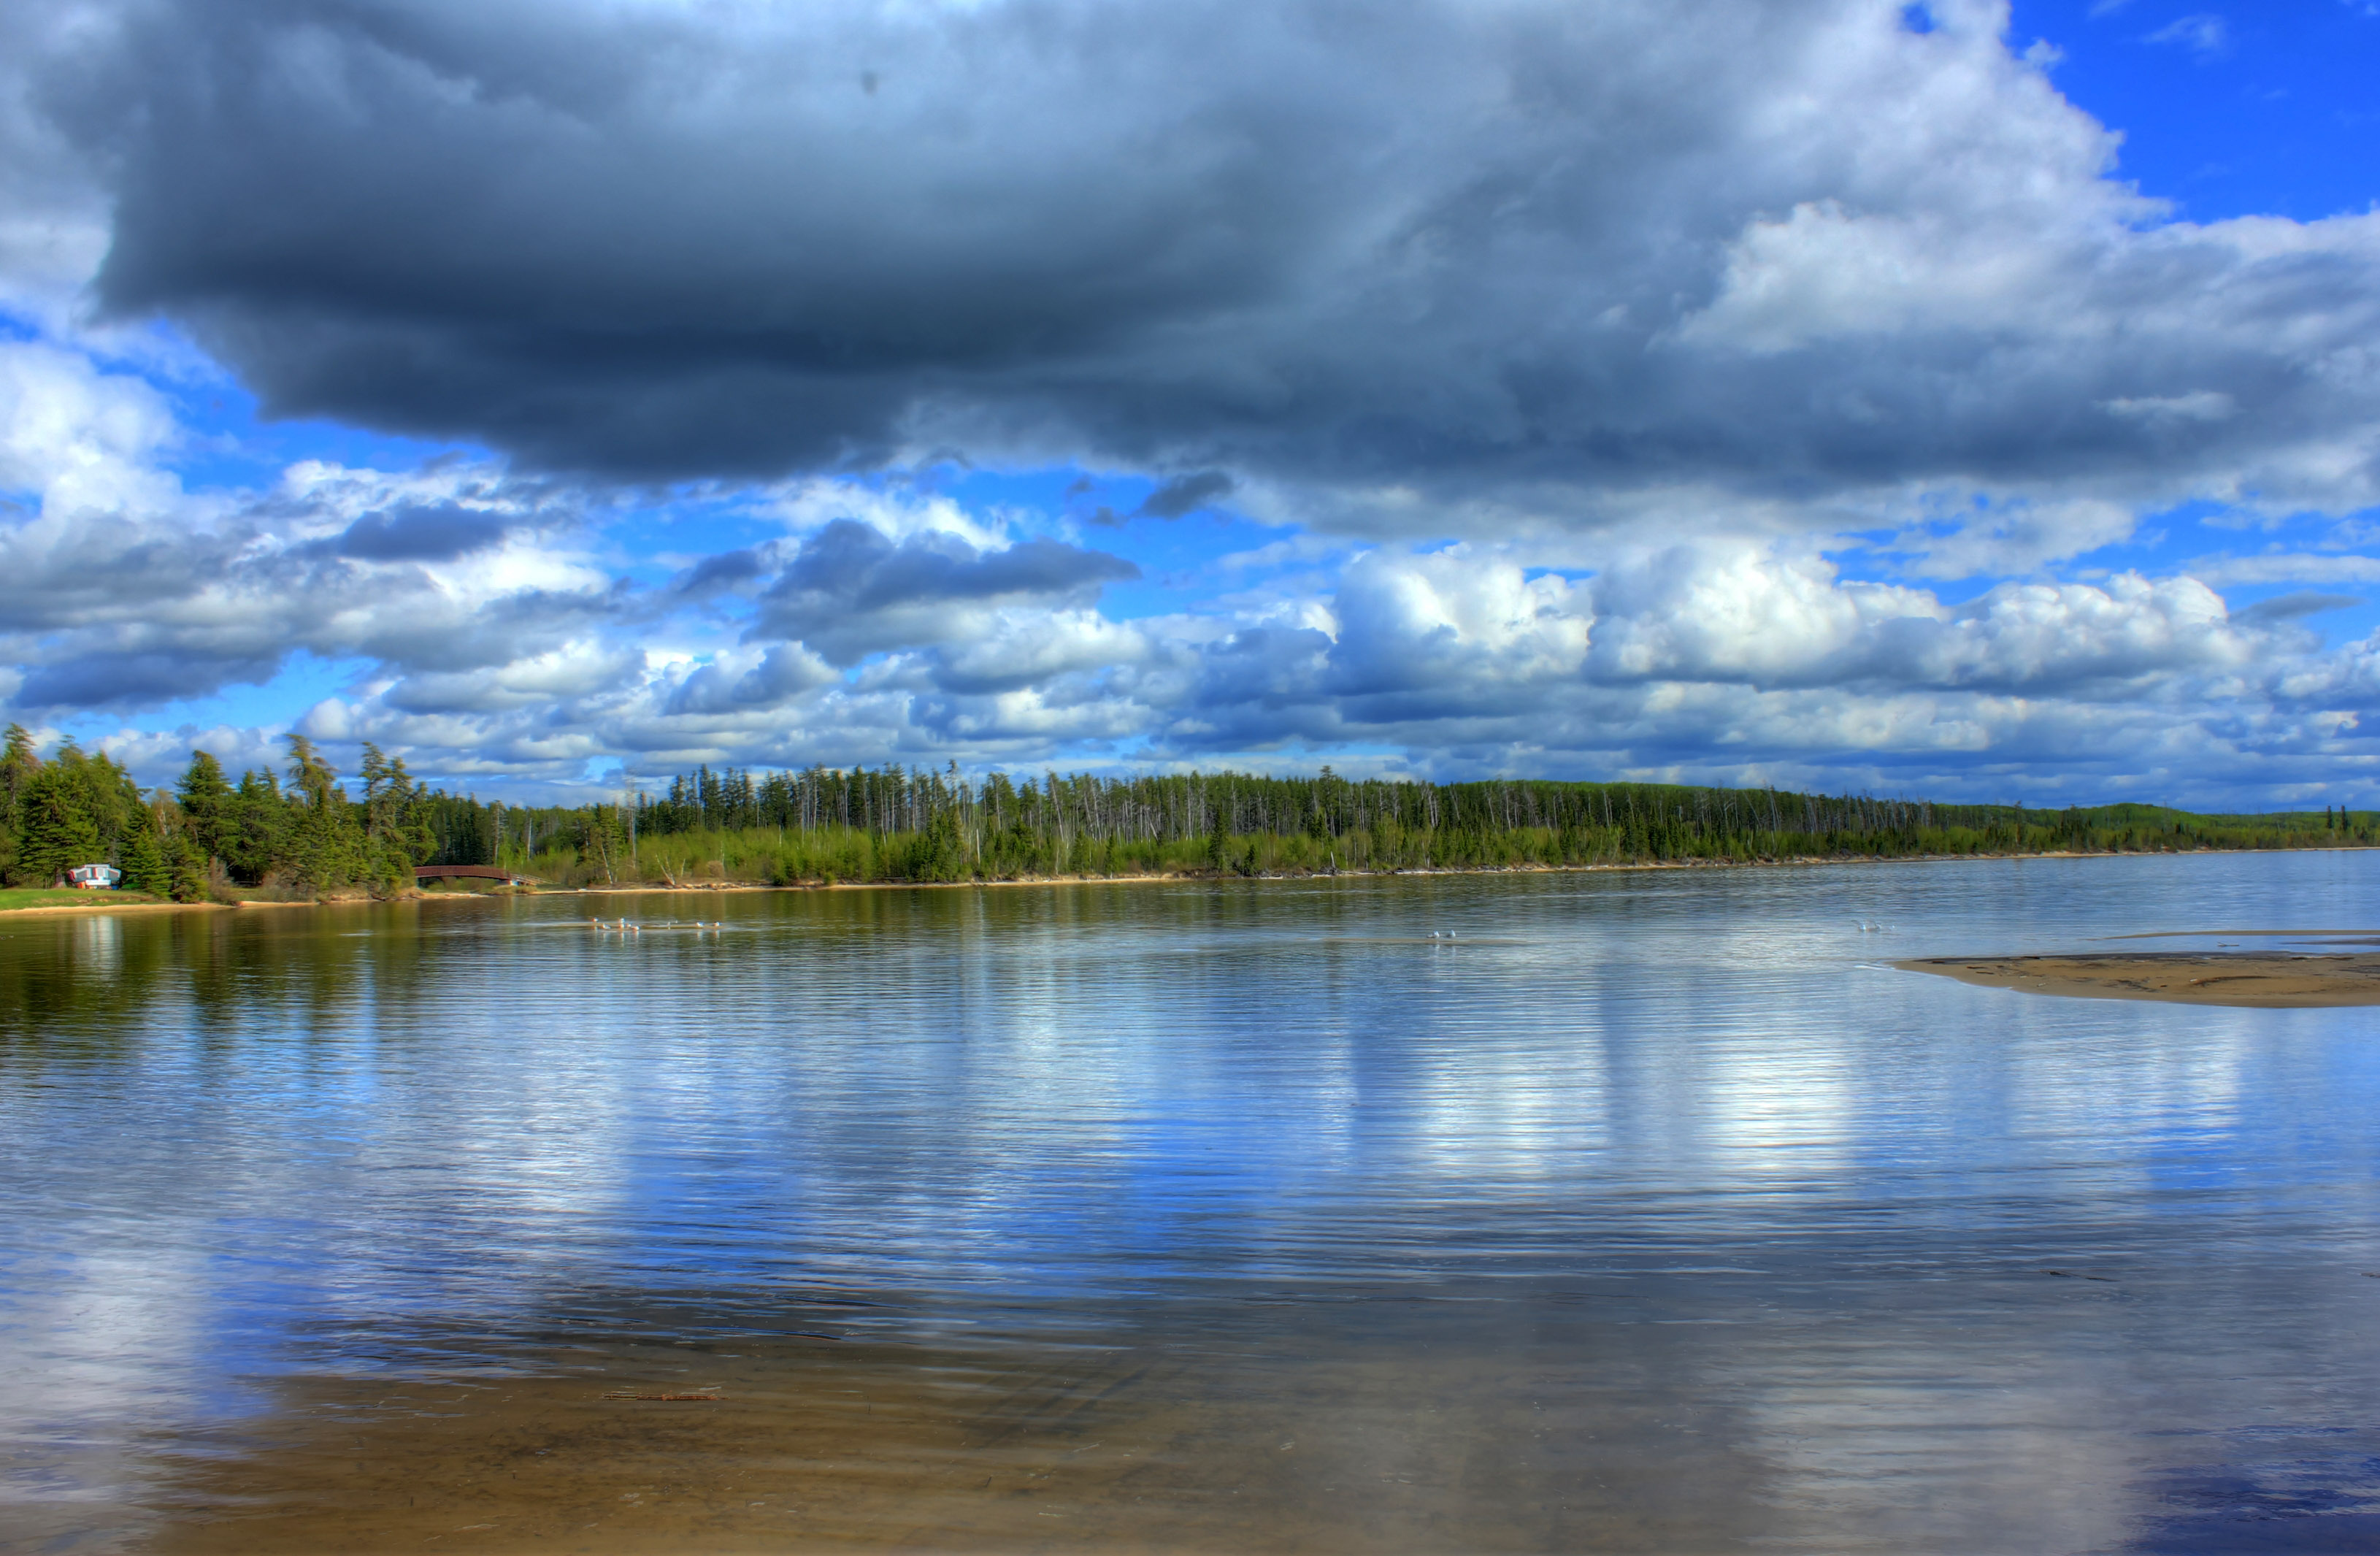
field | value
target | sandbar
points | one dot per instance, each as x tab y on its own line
2270	980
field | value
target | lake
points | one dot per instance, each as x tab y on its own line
1650	1212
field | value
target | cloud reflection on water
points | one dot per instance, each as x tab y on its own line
1669	1127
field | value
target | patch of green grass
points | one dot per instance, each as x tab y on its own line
45	896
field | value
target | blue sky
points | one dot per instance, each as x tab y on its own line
1951	400
2245	110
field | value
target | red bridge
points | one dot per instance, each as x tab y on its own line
469	873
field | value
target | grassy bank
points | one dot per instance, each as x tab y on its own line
16	899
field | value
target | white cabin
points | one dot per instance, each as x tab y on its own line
94	878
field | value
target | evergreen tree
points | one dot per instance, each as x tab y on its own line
380	796
255	822
142	860
206	800
398	831
101	791
385	864
325	848
59	830
412	821
188	871
17	765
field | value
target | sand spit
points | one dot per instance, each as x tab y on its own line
2267	979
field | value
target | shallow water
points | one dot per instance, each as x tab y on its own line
1652	1211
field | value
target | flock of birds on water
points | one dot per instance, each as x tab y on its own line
622	927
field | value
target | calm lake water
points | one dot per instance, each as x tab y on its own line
1654	1211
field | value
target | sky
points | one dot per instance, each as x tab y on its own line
1938	399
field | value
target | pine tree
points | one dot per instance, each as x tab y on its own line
143	863
254	823
59	830
109	796
385	864
206	800
397	833
325	846
188	871
411	821
17	766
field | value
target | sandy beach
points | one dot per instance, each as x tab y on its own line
2264	978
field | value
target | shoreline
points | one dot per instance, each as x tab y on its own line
72	908
660	888
2241	979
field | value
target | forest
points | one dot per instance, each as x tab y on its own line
207	837
299	833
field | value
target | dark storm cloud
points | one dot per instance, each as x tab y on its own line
435	533
861	568
1530	247
851	590
724	571
138	680
1187	494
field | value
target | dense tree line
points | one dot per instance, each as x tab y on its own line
299	832
296	831
305	836
73	810
1646	819
829	823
